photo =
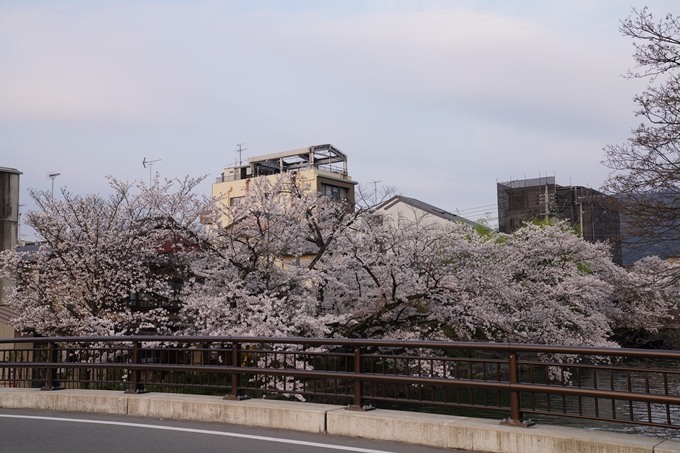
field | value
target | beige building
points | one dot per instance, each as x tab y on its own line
6	330
322	168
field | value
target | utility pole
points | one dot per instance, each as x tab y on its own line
578	202
580	213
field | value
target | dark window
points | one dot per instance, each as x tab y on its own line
334	192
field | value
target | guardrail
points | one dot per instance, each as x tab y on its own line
617	385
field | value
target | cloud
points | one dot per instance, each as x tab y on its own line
100	64
435	98
480	64
60	66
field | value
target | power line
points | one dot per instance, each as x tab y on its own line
478	207
472	211
478	212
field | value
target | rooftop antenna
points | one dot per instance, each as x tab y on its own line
375	190
52	176
239	151
150	164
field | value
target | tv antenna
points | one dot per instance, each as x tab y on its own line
375	190
239	151
150	164
52	176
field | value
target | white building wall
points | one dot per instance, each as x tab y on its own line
404	214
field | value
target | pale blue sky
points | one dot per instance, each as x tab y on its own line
437	98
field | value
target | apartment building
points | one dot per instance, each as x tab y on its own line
322	168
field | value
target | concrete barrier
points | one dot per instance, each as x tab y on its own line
410	427
99	401
424	429
487	435
256	412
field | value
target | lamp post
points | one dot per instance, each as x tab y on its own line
53	176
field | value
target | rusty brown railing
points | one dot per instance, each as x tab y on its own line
617	385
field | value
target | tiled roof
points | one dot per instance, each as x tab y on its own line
30	248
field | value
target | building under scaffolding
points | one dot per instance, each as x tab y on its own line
586	209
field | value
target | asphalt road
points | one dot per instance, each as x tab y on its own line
28	431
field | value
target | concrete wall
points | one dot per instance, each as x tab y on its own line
9	228
6	331
404	214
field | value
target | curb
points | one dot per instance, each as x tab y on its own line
410	427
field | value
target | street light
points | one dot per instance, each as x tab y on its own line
52	176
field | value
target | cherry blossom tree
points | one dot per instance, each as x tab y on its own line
644	170
287	261
102	255
645	300
539	285
259	274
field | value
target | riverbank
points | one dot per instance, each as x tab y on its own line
453	432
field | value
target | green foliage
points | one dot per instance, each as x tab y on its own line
554	221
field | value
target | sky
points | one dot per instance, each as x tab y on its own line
440	99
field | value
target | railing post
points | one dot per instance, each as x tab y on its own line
205	353
515	412
137	386
358	389
51	373
235	375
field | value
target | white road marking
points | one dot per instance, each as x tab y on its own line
200	431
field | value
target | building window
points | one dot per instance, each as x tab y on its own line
235	201
334	192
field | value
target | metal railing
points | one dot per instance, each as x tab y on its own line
617	385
